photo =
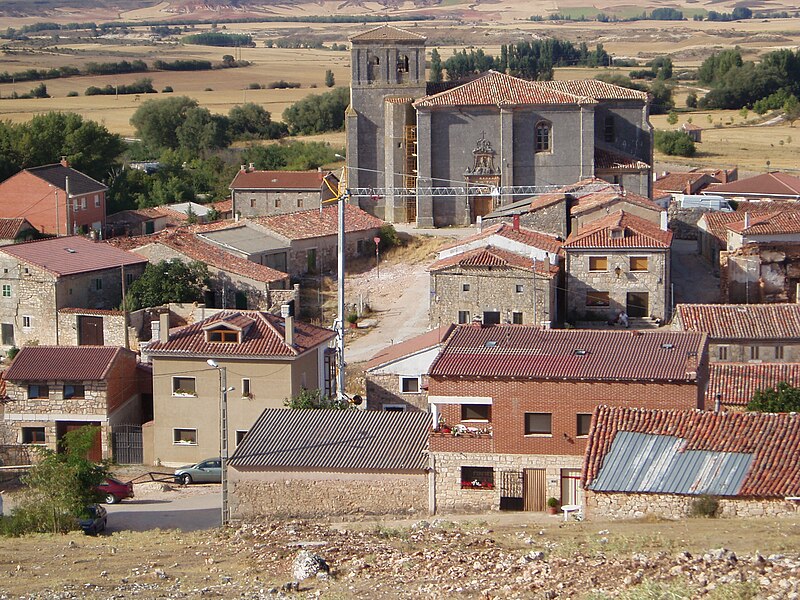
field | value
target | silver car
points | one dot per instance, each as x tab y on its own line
206	471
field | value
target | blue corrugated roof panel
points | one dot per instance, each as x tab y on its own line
647	463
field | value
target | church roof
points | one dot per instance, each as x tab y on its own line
387	33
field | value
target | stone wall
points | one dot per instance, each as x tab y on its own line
760	273
326	248
385	389
113	328
601	505
256	203
683	221
447	468
325	494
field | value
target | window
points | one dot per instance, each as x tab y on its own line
476	412
464	287
75	204
491	317
477	478
27	322
98	284
299	202
246	393
394	407
722	353
74	390
6	290
225	336
277	202
240	433
754	352
595	298
33	435
7	334
598	263
409	385
83	203
463	317
543	137
516	318
183	386
538	424
361	247
779	352
584	421
252	202
638	263
38	390
519	288
97	201
128	278
608	130
187	437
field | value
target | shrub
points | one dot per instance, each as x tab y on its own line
552	502
167	89
704	506
674	143
254	86
12	352
389	237
72	94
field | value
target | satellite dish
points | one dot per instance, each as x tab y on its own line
357	400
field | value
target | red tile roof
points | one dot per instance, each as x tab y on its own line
223	206
637	233
529	237
10	228
779	221
594	355
740	321
187	243
593	88
736	383
409	347
399	100
717	221
315	223
71	255
490	256
499	89
691	127
90	311
277	180
599	199
678	182
611	160
264	338
388	33
768	184
63	363
772	439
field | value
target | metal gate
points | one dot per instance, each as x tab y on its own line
511	490
127	442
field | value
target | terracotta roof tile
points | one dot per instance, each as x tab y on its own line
71	255
529	237
387	33
740	321
90	311
277	180
717	221
595	355
63	363
604	198
399	100
637	233
10	228
409	347
691	127
612	160
773	440
678	182
263	338
778	221
599	90
223	206
736	383
490	256
768	184
315	223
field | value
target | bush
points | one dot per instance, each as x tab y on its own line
704	506
389	237
552	502
72	94
167	90
12	352
674	143
282	85
254	86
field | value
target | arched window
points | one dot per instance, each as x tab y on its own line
609	133
402	64
543	134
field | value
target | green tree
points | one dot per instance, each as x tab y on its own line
674	143
436	67
252	121
318	113
313	399
59	487
783	398
691	100
157	121
329	80
791	110
672	117
662	98
168	281
201	131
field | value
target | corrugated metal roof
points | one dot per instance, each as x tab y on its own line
342	440
740	321
62	363
646	463
72	254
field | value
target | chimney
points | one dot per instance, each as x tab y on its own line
252	167
664	220
243	167
717	402
479	223
64	162
747	220
287	312
516	222
154	330
163	327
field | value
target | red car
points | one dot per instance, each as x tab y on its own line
115	490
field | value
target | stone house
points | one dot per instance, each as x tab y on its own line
405	135
40	278
52	390
373	463
397	376
262	193
620	263
265	359
694	132
655	463
250	241
143	221
512	405
312	236
731	386
14	231
740	333
770	187
55	199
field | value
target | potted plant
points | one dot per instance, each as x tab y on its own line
352	318
552	506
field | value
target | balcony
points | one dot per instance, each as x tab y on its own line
462	438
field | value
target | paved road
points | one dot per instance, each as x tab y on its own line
187	513
692	277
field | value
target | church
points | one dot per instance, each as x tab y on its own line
444	154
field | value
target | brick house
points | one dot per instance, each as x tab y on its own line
618	263
397	376
40	278
744	332
642	462
267	360
263	193
731	386
54	389
512	405
56	199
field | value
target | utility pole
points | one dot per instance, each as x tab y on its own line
340	397
223	435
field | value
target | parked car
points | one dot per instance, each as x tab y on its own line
114	490
94	520
206	471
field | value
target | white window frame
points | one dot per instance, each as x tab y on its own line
467	320
27	322
175	442
83	203
247	390
97	200
418	379
189	395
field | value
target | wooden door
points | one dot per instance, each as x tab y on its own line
90	331
64	427
481	205
534	489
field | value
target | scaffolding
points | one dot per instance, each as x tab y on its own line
410	172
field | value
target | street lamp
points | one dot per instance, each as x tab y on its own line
223	434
